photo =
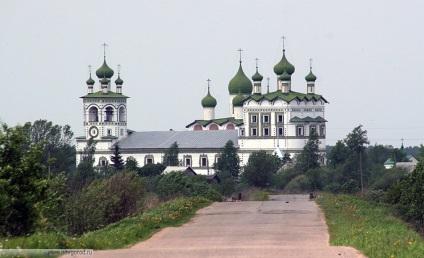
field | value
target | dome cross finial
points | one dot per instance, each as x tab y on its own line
104	50
89	69
310	64
256	59
119	69
208	80
240	50
284	39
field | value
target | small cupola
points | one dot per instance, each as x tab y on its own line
104	82
238	105
257	80
90	82
119	81
209	101
310	80
285	82
208	104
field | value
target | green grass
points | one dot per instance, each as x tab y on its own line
118	235
370	228
259	196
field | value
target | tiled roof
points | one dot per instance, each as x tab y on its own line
185	139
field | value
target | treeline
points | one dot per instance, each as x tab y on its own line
41	190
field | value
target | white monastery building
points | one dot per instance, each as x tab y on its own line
278	120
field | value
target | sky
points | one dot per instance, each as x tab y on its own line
368	57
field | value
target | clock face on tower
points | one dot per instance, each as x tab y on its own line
93	131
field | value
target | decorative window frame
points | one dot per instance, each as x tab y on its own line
149	157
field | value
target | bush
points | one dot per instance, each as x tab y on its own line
376	196
52	208
333	188
350	187
283	177
177	184
104	201
390	178
316	178
298	185
151	169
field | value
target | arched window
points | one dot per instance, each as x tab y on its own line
322	131
109	114
122	114
198	127
230	127
213	127
93	115
103	161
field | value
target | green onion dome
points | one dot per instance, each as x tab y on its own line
238	100
285	76
310	77
119	81
240	82
279	68
209	101
90	81
257	77
104	71
104	81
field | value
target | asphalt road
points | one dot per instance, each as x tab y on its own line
285	226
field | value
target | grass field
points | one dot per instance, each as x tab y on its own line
118	235
369	228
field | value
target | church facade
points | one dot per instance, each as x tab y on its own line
281	119
278	121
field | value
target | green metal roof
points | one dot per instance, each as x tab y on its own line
291	95
285	76
109	137
99	94
257	77
284	64
307	119
238	100
119	81
219	121
310	77
104	71
90	81
209	101
389	161
240	82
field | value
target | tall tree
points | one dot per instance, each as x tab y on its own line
229	161
420	153
260	168
309	157
59	151
116	158
170	157
21	181
356	141
85	172
338	155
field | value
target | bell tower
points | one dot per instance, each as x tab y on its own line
105	111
